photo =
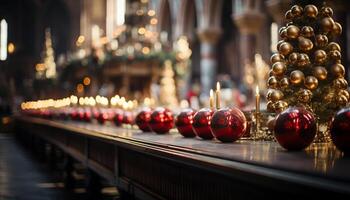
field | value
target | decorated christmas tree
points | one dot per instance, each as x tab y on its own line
307	69
167	86
48	69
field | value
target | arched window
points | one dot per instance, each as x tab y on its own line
3	39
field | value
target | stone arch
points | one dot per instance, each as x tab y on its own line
165	18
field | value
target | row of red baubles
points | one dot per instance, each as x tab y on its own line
294	128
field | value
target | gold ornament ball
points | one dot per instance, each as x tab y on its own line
274	95
338	70
271	124
297	11
326	11
303	60
305	44
296	77
272	82
271	73
279	68
320	73
333	46
321	40
327	24
289	16
284	83
279	44
340	83
311	82
285	48
270	106
337	29
342	100
311	11
304	96
307	31
328	97
293	58
276	57
345	93
293	32
320	57
334	55
283	33
280	106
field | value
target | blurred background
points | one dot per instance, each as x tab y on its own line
172	51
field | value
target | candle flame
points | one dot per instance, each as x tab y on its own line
257	91
218	86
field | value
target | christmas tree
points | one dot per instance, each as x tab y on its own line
167	86
48	69
307	69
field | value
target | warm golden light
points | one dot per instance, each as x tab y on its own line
80	88
86	81
153	21
40	67
211	99
151	13
145	50
10	48
80	40
218	95
139	12
141	30
257	99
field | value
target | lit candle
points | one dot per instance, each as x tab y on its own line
211	100
257	99
217	95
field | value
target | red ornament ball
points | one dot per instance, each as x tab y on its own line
128	117
340	130
118	117
162	120
142	119
228	124
102	117
87	116
295	128
184	122
201	123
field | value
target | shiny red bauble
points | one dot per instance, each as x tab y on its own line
228	124
183	123
201	123
128	117
162	120
295	128
118	117
87	116
142	119
340	130
102	117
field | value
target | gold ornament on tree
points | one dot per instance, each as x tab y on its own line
307	69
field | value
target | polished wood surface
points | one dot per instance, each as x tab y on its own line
147	161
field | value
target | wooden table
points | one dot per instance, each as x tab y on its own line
151	166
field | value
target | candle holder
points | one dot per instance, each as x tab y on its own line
259	129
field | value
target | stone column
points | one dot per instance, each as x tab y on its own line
208	64
249	24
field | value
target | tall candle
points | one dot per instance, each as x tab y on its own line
211	99
257	99
218	95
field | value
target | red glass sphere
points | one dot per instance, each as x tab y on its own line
128	117
102	117
162	120
201	123
295	128
118	117
340	130
228	124
87	115
184	122
142	119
